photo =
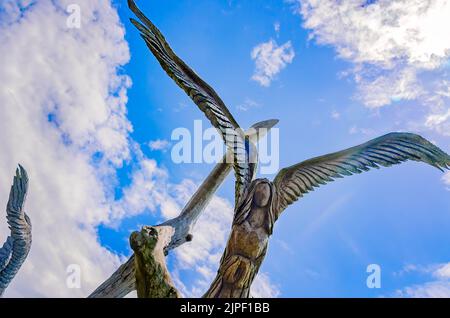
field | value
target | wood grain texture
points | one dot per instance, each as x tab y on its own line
247	244
152	276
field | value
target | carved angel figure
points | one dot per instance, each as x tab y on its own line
260	202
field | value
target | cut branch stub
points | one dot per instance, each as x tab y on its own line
152	276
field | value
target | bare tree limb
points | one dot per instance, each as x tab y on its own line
119	284
152	276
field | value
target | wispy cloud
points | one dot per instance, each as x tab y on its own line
354	130
247	105
159	144
399	50
285	246
335	115
277	27
438	286
270	59
446	179
435	289
64	118
264	288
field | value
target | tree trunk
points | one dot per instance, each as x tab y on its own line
152	276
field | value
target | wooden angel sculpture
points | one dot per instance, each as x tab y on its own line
259	202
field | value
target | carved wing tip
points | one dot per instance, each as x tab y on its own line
21	173
138	26
132	5
430	153
268	124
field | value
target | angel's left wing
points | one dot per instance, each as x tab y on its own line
293	182
204	96
20	226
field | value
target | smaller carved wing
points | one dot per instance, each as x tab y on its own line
20	226
5	253
293	182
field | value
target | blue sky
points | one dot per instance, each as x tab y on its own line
322	244
336	82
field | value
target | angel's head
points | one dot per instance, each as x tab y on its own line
263	193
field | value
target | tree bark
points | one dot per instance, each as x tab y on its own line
152	276
119	284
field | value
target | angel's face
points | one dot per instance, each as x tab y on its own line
262	195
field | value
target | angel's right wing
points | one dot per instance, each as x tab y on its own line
293	182
204	97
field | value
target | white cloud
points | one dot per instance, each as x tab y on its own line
438	287
335	115
443	271
382	32
399	50
62	101
63	109
388	88
248	104
277	27
149	191
159	144
270	59
354	130
263	288
285	246
446	179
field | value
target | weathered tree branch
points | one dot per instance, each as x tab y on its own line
152	276
119	284
122	281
